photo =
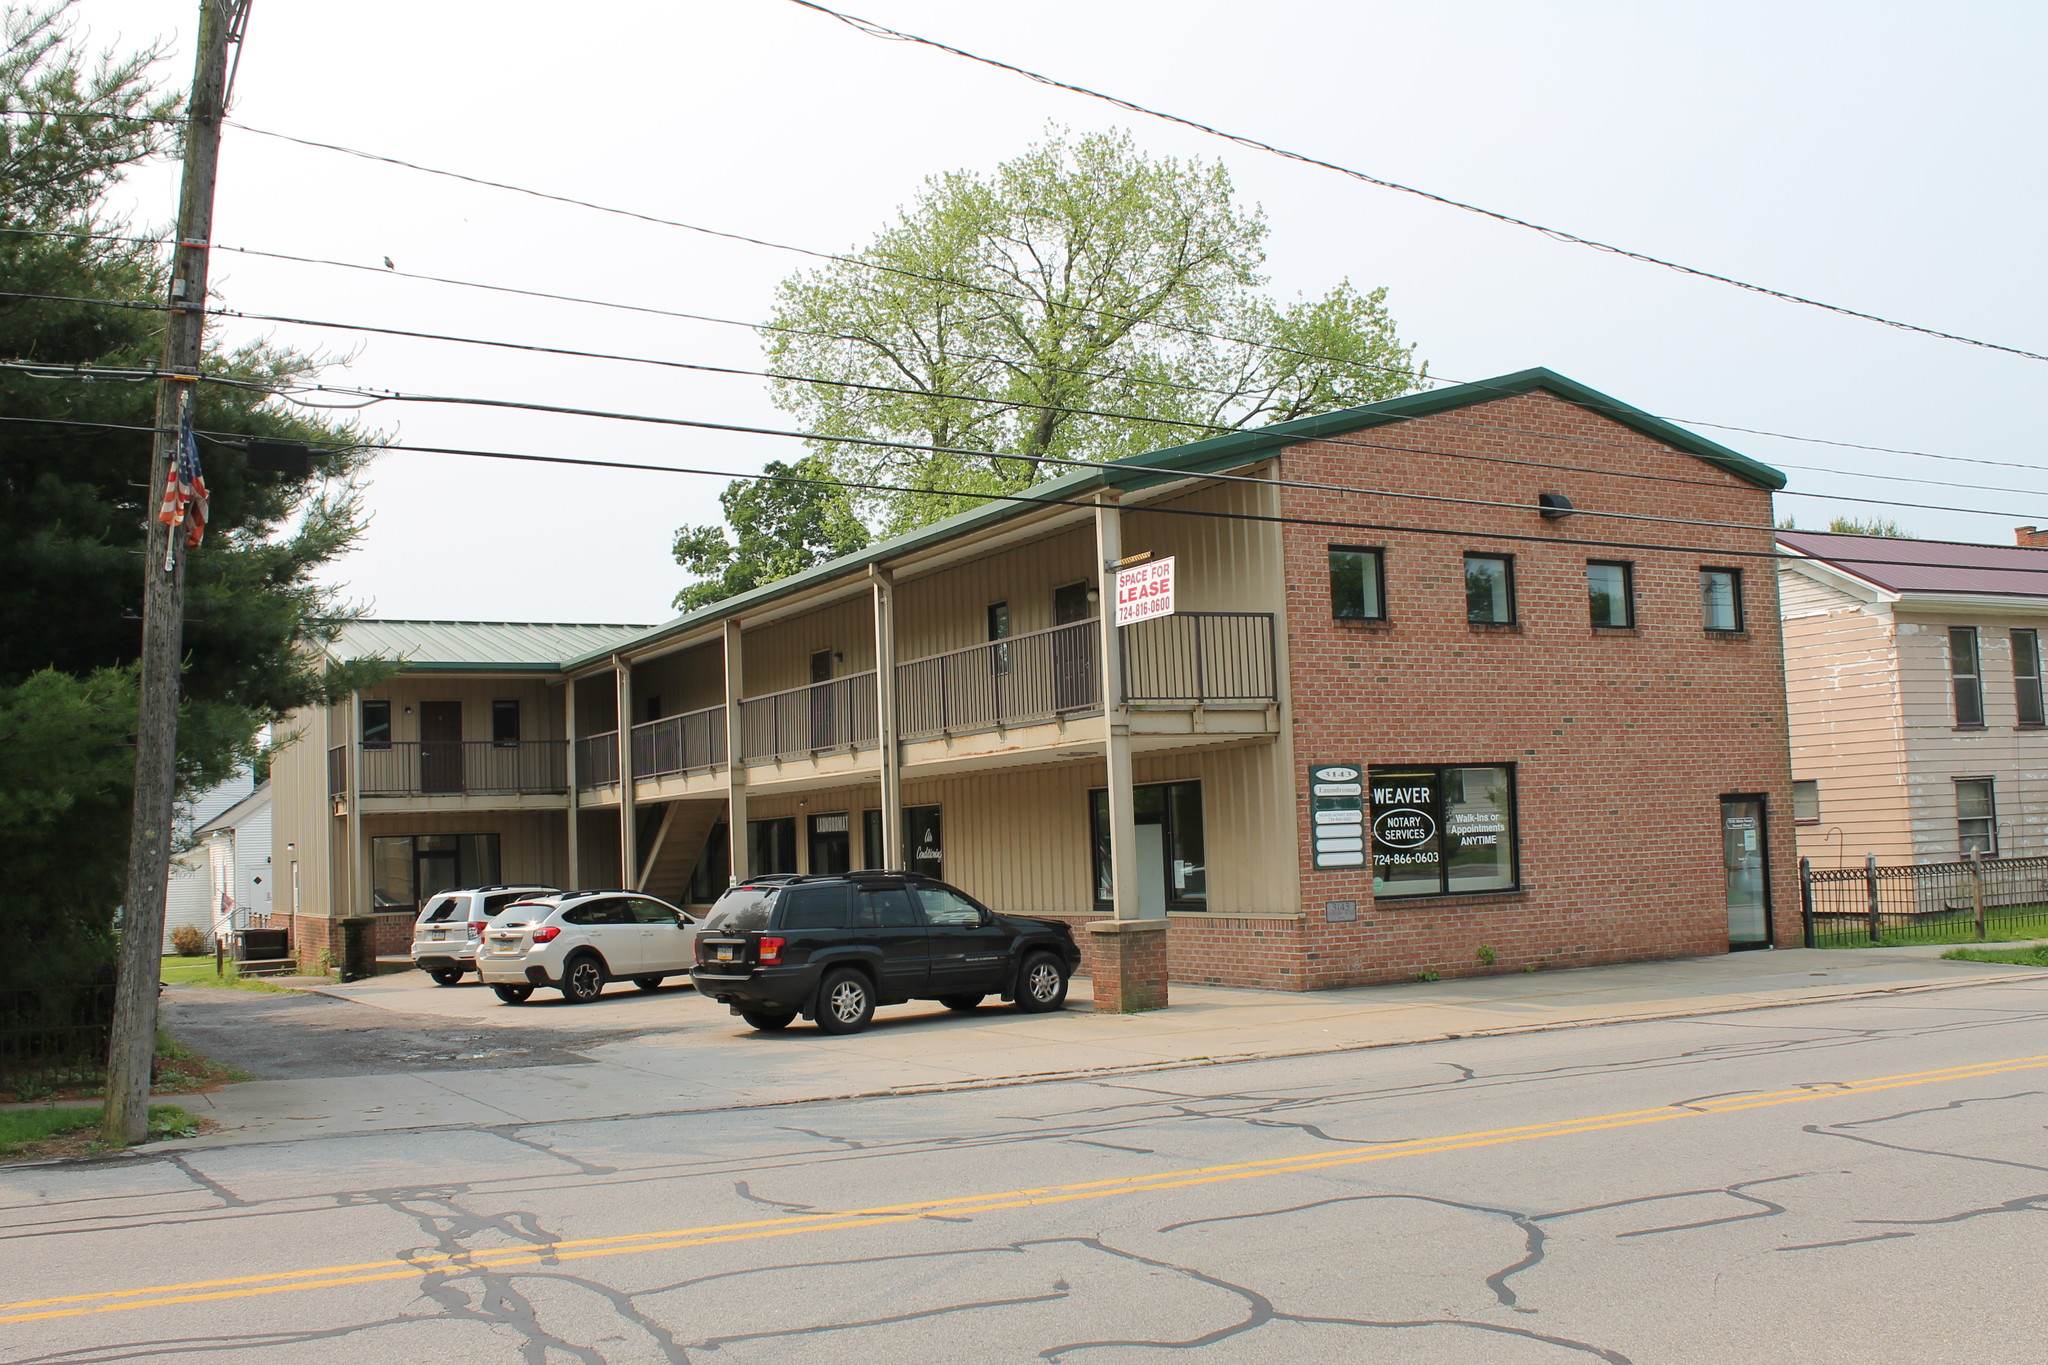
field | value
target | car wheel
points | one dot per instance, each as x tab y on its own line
1042	985
962	1003
446	976
846	1001
766	1022
513	995
583	982
647	983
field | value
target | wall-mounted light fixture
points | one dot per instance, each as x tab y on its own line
1554	505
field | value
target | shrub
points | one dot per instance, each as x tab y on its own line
187	941
1487	955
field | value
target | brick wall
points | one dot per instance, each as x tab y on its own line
311	934
1623	740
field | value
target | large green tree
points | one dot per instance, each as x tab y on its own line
777	525
77	483
1084	277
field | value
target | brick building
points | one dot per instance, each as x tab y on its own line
1473	680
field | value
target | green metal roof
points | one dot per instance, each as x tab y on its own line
467	646
1209	456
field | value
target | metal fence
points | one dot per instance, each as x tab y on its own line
677	744
839	714
1024	678
51	1037
1201	656
597	760
479	767
1923	903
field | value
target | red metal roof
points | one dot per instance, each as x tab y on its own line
1928	565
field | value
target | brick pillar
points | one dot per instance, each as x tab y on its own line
2029	538
1129	965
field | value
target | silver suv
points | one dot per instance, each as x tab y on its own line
577	941
444	938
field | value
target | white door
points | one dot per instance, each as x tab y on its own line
668	943
1151	871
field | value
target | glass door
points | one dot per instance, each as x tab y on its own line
1746	865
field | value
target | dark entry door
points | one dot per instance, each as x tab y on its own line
441	746
1073	657
831	844
1746	861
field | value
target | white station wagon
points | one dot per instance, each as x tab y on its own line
578	941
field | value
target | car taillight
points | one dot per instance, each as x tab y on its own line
547	933
476	928
771	950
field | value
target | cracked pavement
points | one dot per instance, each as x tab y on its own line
1851	1181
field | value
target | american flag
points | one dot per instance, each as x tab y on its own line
184	487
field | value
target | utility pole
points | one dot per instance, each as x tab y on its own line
133	1044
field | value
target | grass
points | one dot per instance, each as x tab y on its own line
199	971
1960	929
2036	956
30	1133
179	1071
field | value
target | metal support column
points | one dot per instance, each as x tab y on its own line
1116	721
629	842
735	766
575	877
891	764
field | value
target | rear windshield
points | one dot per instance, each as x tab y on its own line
526	912
742	908
444	908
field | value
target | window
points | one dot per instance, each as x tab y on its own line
1965	677
946	907
376	725
652	705
1611	592
651	912
831	844
1442	831
407	869
871	841
1489	589
923	849
886	907
1721	599
1976	817
1805	802
1357	584
815	907
1168	816
771	846
505	723
2026	677
713	872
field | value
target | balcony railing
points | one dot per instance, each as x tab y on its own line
597	760
1017	681
454	768
839	714
678	744
1201	656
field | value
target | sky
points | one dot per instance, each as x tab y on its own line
1891	158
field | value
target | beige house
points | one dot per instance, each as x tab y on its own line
1336	760
1913	675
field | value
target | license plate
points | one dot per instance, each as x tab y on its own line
439	935
725	954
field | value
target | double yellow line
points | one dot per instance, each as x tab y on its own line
369	1272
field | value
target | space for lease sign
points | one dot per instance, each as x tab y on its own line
1144	592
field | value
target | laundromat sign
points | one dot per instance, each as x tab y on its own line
1337	812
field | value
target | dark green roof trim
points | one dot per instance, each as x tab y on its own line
1209	456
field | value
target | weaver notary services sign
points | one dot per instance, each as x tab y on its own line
1144	592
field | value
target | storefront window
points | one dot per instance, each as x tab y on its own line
1442	830
923	848
771	846
1171	860
713	872
406	869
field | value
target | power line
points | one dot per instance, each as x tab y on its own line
1096	374
875	30
235	439
373	396
1088	412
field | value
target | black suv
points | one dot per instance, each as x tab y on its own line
832	948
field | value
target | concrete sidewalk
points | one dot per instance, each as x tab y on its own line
701	1058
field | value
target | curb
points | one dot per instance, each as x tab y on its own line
1122	1069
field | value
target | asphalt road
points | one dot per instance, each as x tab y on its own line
1859	1182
